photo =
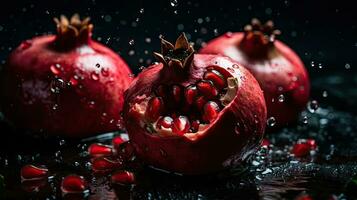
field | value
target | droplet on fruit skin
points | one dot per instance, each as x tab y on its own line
94	76
31	172
98	150
55	69
73	184
281	98
25	44
231	70
123	178
105	72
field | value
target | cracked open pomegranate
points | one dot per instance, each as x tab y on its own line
278	69
65	84
194	113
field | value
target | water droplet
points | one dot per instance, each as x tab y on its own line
231	70
312	64
173	3
74	80
131	53
271	121
324	94
55	107
281	98
25	44
131	42
347	66
105	71
312	106
235	66
304	119
141	10
141	68
57	84
55	69
91	104
228	34
97	65
94	76
320	65
148	40
62	142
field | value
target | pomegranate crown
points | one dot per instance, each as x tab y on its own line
73	28
178	55
257	29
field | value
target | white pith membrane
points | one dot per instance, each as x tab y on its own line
225	97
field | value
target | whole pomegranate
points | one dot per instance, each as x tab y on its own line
64	84
279	71
194	113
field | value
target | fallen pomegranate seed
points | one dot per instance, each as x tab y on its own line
217	78
123	178
73	184
210	111
190	94
303	147
195	124
180	125
177	93
155	108
98	150
162	91
31	172
117	141
105	164
164	122
207	89
200	102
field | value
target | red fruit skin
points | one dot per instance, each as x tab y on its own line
27	99
237	131
278	69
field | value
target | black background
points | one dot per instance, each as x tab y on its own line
323	32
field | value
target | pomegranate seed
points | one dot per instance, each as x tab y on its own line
98	150
217	78
207	89
31	172
104	164
165	122
177	93
154	109
73	184
210	111
200	102
190	94
123	178
303	147
195	124
117	141
180	125
161	91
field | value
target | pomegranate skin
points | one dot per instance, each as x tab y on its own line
278	69
64	88
235	133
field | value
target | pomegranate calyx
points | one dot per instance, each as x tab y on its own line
73	30
179	55
265	32
231	91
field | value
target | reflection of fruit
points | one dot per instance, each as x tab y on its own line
192	112
64	84
278	69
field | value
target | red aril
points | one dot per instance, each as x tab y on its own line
105	164
73	184
123	178
31	172
99	150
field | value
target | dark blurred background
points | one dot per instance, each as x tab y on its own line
323	33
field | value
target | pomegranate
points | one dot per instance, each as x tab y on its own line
65	84
278	69
193	113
